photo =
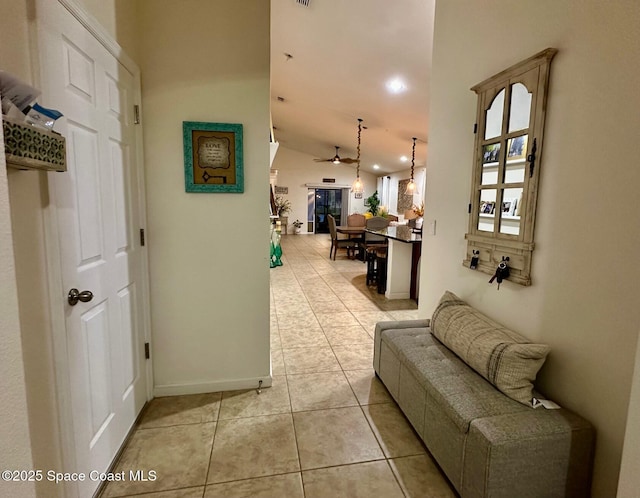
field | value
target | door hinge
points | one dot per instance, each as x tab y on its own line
475	128
136	114
142	237
469	208
147	354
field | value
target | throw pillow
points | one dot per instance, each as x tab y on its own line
506	359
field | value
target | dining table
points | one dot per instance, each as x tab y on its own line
356	233
350	230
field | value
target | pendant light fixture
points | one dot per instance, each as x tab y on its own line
412	188
358	187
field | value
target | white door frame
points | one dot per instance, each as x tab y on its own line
57	301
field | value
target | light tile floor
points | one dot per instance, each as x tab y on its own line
326	428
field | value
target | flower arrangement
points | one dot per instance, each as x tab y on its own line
419	210
283	206
297	224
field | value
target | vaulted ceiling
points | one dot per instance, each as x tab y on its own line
332	62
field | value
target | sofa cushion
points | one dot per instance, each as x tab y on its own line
461	393
503	357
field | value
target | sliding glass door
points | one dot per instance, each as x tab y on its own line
327	202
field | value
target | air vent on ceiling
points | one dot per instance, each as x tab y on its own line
303	2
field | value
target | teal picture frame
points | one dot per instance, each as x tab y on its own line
213	157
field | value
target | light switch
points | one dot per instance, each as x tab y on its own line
432	227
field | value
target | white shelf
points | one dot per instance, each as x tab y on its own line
504	217
513	162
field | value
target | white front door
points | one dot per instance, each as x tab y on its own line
96	204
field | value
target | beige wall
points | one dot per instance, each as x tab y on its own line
584	301
27	237
14	431
209	253
295	169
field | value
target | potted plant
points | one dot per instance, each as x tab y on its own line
297	226
372	202
283	206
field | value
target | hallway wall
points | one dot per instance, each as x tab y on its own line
208	252
584	300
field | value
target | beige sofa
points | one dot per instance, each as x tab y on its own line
479	423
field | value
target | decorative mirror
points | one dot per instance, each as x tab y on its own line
506	167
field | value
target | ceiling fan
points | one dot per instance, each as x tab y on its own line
337	159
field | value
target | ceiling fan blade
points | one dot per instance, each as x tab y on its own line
323	160
348	160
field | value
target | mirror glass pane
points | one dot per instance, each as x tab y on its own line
487	210
493	119
511	211
489	174
520	107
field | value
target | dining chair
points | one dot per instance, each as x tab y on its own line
371	239
356	220
337	243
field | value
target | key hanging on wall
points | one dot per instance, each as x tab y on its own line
502	271
474	260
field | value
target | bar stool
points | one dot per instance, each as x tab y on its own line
381	269
371	265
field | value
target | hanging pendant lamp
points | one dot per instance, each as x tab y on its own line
358	186
412	187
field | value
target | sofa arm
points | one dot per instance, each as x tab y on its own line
541	453
402	324
393	325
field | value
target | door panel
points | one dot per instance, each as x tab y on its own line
79	70
97	210
85	182
95	329
127	339
118	153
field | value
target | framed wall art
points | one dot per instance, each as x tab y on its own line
405	201
213	157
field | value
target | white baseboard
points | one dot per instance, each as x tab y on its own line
397	295
210	387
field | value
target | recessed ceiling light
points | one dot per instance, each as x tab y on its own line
404	159
375	166
396	85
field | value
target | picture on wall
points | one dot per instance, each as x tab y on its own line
509	207
487	207
404	201
213	159
491	153
517	148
